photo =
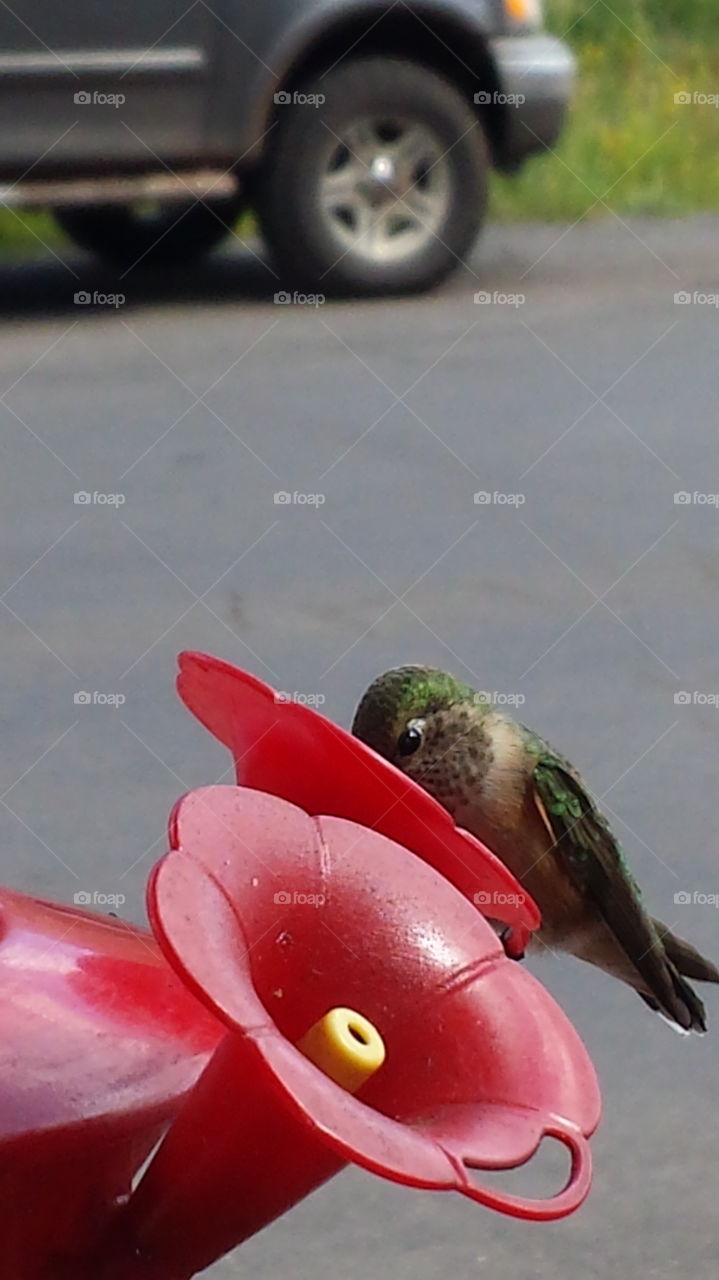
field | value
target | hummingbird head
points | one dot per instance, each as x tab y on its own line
428	724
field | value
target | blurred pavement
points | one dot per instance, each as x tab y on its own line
593	594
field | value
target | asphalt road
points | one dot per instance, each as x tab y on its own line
594	598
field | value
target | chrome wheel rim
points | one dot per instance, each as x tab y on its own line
386	189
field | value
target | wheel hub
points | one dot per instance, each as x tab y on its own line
382	186
386	189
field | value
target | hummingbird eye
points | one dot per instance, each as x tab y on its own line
411	739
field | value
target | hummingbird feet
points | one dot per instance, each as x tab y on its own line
514	940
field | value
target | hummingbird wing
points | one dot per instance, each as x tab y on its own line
594	860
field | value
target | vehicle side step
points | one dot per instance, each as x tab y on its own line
193	184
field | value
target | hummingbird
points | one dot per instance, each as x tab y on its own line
530	806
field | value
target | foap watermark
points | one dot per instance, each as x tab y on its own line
95	98
284	499
92	898
83	698
285	898
85	499
697	298
83	298
694	898
303	699
685	499
494	698
483	298
295	99
486	499
696	98
285	299
485	98
496	898
696	699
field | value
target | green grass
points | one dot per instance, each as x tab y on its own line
626	141
23	234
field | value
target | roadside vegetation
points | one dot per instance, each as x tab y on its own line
627	141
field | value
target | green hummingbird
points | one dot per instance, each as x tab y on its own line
528	804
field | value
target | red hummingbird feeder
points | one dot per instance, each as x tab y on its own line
319	988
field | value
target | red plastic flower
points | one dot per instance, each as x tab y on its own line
291	751
276	905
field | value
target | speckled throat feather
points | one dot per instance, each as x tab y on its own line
456	756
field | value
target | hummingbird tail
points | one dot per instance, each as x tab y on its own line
676	999
659	982
685	1010
686	959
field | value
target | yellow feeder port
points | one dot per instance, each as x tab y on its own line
346	1046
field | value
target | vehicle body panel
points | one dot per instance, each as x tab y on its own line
100	88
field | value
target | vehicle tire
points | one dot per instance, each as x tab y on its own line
161	234
379	188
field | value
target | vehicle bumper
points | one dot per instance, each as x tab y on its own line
536	73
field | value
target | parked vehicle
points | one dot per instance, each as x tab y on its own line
361	134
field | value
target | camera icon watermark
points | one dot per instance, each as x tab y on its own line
698	298
92	898
296	99
494	698
496	898
486	499
285	499
483	298
287	898
696	99
683	898
94	98
685	499
83	298
284	299
83	698
485	98
302	699
696	699
84	499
